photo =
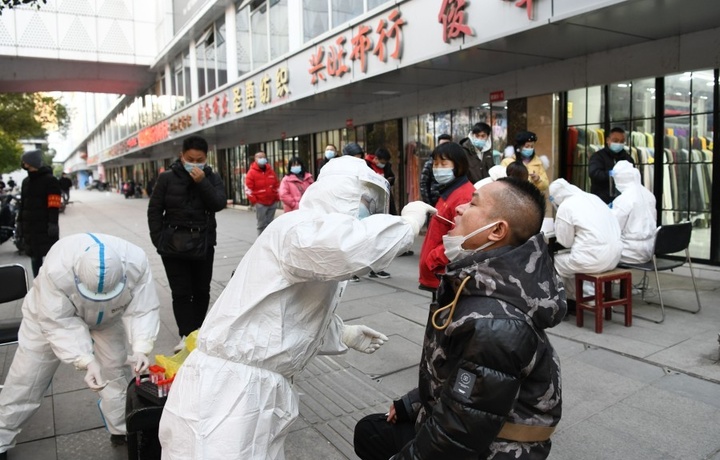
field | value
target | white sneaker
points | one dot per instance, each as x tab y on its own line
180	346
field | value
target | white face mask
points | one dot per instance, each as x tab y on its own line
453	244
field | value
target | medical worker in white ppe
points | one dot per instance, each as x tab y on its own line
636	214
584	224
233	398
91	289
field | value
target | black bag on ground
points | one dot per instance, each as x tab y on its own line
184	241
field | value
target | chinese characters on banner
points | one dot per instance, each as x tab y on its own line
452	18
332	63
528	5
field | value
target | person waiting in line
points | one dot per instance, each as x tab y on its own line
181	219
234	397
525	152
429	187
94	293
380	163
636	214
330	153
262	184
450	170
294	184
515	169
602	162
38	209
480	156
585	225
490	381
353	149
65	186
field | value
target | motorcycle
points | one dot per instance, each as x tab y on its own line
9	207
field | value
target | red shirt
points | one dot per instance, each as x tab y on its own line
263	184
432	255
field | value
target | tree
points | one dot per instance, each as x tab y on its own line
10	4
26	116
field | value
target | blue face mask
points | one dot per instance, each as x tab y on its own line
329	154
617	147
479	143
262	161
443	175
527	153
295	169
380	165
189	166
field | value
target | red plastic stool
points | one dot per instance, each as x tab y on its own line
603	299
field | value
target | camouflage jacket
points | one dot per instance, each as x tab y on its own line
493	363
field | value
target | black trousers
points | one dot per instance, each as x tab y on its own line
376	439
190	285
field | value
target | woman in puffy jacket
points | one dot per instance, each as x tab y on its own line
450	166
294	184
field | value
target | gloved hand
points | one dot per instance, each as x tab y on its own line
53	231
93	377
415	213
139	361
362	338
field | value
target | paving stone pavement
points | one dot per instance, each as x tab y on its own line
651	391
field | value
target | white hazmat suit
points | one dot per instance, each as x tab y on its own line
233	398
584	224
91	290
635	212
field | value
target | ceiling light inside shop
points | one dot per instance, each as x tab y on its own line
623	85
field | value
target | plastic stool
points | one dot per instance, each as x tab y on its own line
603	299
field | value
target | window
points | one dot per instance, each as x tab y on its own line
242	31
259	34
316	18
279	38
344	11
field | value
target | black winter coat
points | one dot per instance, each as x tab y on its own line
478	169
494	363
599	166
38	211
178	200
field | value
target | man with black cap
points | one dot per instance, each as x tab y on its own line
353	150
38	209
602	162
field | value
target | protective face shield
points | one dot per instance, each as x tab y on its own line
349	186
453	244
99	272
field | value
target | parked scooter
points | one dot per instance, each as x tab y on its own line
9	208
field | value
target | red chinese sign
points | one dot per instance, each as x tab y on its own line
452	18
332	63
215	108
153	134
528	5
497	96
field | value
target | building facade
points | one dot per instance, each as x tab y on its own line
288	77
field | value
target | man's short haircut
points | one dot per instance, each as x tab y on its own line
617	129
522	205
195	143
382	154
481	128
454	152
444	137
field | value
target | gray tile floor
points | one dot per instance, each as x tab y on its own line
645	392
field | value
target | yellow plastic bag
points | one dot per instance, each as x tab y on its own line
173	363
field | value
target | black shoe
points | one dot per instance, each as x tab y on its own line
380	274
354	279
570	309
116	440
407	253
372	274
3	455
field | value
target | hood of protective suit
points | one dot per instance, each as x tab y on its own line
345	183
99	272
523	276
561	189
497	172
625	175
